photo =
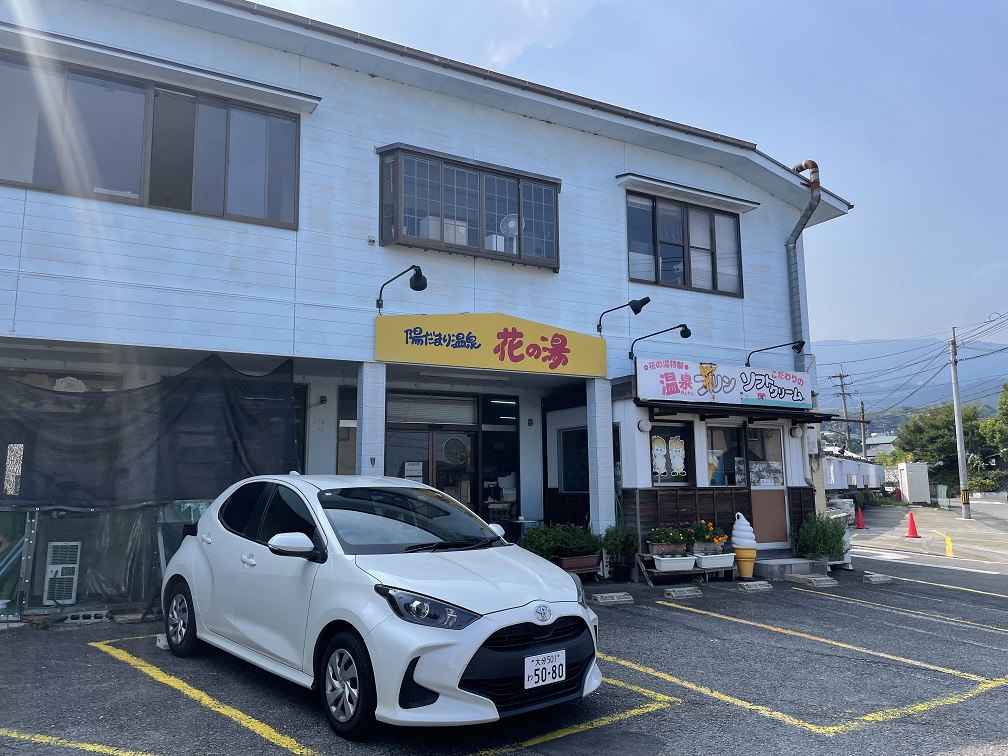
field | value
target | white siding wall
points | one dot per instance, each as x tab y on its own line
111	273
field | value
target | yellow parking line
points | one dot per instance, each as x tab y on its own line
259	728
885	715
952	587
839	644
63	743
906	611
658	701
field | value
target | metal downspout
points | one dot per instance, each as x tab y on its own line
794	277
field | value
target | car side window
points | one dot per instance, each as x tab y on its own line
286	512
238	509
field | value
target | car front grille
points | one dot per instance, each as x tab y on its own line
497	669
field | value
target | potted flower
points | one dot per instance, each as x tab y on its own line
668	540
571	547
708	546
708	538
621	544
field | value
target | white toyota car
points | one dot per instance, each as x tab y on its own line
389	597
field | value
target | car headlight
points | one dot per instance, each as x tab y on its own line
580	591
424	610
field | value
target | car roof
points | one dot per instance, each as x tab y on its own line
322	482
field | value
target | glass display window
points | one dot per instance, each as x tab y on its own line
672	454
726	456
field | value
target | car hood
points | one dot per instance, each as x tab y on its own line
481	580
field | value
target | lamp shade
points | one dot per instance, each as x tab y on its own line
418	281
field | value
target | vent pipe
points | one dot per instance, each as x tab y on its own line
794	277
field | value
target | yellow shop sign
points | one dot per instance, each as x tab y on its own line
490	341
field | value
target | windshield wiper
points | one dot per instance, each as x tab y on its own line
460	545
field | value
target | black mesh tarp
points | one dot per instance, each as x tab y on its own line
187	437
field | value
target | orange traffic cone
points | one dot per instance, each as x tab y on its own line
912	528
860	520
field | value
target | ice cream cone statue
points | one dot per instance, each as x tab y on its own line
743	541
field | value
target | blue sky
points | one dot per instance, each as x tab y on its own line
902	104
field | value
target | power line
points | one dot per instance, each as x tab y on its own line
985	354
931	378
908	380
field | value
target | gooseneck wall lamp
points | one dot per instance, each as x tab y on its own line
797	346
417	282
635	305
684	332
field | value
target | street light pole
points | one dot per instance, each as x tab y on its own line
960	437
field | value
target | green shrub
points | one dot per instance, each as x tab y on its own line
552	541
820	537
621	543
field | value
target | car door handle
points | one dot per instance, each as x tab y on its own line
248	560
205	537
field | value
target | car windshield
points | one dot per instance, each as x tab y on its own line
377	520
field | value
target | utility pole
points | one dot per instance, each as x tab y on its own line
842	376
960	436
864	433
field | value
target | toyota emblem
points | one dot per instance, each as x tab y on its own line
543	613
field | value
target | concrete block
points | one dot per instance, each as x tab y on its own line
777	569
609	599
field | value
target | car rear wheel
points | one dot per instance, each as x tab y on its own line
180	621
346	684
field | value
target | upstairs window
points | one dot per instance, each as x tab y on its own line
436	202
93	135
672	243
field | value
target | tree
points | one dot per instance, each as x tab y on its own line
930	437
995	429
889	459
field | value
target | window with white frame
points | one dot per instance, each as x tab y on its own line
92	134
438	202
672	243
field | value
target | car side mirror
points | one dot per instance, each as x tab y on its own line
497	529
291	544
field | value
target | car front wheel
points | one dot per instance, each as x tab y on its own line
180	621
346	684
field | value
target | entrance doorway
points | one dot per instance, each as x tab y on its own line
441	458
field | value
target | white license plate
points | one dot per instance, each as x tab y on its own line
545	669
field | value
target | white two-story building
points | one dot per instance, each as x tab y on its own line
236	241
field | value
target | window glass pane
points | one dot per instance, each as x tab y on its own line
672	264
211	151
238	509
640	237
461	207
725	457
538	221
172	146
421	197
699	228
729	274
247	157
28	146
766	460
670	222
281	171
701	273
574	460
501	214
103	137
671	454
285	513
388	197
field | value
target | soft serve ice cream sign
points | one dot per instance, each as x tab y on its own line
743	541
690	381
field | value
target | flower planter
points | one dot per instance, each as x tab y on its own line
674	564
708	561
578	562
704	547
666	548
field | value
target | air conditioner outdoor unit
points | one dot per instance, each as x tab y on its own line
62	568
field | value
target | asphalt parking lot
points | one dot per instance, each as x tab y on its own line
915	666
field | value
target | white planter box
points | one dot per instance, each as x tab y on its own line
675	564
708	561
